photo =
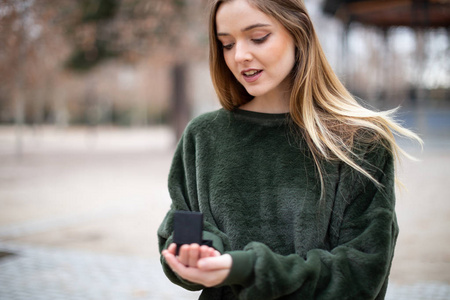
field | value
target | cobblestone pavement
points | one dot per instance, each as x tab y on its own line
34	273
45	273
78	224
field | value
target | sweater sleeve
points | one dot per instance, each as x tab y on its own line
356	268
183	193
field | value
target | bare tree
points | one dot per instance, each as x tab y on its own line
131	29
31	50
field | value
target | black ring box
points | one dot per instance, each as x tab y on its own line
188	228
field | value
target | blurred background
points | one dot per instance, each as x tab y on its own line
94	95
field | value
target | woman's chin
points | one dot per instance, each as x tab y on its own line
254	92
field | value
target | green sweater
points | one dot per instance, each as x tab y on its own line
259	191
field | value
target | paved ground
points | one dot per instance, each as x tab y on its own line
80	209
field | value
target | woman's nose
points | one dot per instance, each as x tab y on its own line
242	53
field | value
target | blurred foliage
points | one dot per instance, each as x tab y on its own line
84	57
84	60
129	29
98	10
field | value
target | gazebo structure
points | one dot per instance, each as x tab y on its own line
420	15
389	13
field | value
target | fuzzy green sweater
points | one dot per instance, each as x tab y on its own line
259	191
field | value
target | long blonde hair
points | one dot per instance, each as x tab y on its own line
320	105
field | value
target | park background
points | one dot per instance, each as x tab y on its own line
95	94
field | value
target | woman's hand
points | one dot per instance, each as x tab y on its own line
199	264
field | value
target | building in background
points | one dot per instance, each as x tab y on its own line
395	52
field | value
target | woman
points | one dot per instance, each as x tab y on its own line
295	179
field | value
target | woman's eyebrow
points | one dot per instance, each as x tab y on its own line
257	25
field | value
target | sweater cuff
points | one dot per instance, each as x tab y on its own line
241	272
216	241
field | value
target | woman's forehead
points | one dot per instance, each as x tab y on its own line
239	15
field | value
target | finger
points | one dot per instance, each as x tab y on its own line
214	253
183	255
204	251
215	263
193	255
172	261
172	248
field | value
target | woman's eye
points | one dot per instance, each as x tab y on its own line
261	40
228	46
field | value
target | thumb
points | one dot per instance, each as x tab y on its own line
215	263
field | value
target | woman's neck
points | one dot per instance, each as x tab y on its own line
266	104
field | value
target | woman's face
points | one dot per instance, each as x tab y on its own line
257	49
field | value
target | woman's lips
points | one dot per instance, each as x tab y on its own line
251	75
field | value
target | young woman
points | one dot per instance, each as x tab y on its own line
294	178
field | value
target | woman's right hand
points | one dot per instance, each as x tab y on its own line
190	254
199	264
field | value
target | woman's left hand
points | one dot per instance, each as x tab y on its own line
211	270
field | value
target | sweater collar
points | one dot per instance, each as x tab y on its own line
259	117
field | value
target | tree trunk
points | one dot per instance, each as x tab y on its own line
180	106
